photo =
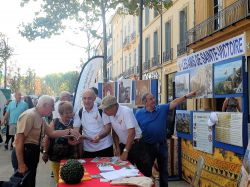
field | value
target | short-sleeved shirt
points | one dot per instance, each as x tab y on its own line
32	125
153	124
15	109
92	124
122	121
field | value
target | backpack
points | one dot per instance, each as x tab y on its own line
80	112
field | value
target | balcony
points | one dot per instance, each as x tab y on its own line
109	59
226	17
181	48
155	61
146	65
168	55
132	37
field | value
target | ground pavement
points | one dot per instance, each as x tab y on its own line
43	172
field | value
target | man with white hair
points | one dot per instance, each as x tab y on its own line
31	127
64	96
98	141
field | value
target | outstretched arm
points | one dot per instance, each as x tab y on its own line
224	106
178	101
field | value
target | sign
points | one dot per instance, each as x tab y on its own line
222	51
87	79
152	75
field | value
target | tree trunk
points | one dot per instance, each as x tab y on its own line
104	41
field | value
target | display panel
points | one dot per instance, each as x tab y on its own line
183	121
141	87
124	90
181	84
201	79
228	77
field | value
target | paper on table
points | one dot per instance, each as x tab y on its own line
106	168
119	174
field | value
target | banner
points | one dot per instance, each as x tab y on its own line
222	51
88	78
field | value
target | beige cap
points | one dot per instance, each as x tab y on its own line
108	101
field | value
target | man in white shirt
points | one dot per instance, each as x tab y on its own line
98	141
64	96
126	131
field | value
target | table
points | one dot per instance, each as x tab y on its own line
92	169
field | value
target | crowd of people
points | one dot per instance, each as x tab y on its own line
99	129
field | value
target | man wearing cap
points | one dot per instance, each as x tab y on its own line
152	120
126	131
98	141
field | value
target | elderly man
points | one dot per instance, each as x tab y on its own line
64	96
126	131
31	127
98	141
153	122
14	110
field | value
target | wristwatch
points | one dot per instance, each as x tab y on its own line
125	150
44	151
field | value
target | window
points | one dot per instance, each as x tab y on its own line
129	60
155	44
168	36
217	8
155	12
125	63
147	49
183	24
146	16
134	57
134	24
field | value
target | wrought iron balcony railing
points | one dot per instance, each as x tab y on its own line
181	48
168	55
155	60
226	17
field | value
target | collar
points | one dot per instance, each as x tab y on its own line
155	109
93	109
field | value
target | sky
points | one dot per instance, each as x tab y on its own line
45	56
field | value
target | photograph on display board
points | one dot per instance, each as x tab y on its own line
141	87
228	77
181	84
229	128
124	91
108	89
201	80
183	121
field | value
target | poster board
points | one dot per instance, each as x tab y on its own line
202	133
124	91
182	85
141	87
228	78
202	81
229	128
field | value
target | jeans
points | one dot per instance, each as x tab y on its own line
31	159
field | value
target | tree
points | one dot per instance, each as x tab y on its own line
29	81
5	53
50	20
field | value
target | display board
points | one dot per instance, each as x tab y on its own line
229	128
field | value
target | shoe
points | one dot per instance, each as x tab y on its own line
11	148
6	146
52	175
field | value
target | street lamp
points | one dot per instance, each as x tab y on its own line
140	41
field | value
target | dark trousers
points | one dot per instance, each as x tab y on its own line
108	152
143	156
8	137
31	159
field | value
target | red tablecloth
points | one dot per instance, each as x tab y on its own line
92	169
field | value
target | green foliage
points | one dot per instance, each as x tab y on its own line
72	172
5	50
54	84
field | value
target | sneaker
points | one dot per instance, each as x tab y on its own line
11	148
6	146
52	175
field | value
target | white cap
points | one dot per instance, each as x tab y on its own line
213	119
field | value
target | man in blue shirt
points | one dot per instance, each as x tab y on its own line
152	120
14	110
